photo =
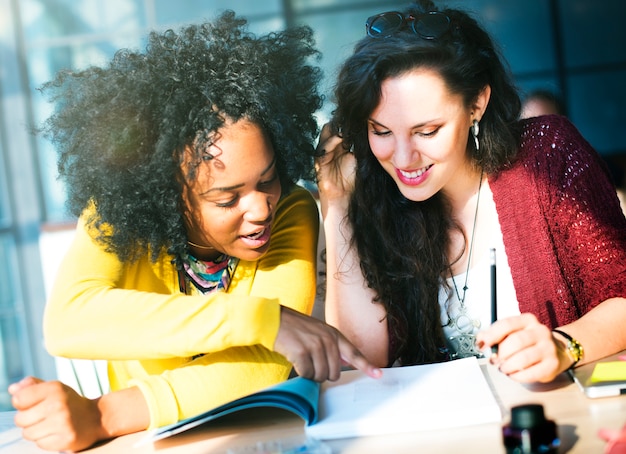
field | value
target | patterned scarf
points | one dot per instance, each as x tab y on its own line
210	276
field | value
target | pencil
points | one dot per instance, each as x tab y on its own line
494	294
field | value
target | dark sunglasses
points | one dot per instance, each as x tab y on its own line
431	25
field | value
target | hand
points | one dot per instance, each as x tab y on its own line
317	350
527	351
616	440
54	416
335	169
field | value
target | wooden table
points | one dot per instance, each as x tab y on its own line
578	418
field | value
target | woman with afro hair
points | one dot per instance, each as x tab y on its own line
193	264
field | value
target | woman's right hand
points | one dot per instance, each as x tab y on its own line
54	416
57	418
335	167
316	349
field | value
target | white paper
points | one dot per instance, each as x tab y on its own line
406	399
9	433
7	420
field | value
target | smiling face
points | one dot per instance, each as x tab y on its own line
232	201
419	133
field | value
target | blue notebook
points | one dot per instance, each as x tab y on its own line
298	395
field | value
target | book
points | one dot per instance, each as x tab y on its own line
603	378
404	399
298	395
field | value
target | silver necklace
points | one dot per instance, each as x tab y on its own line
464	344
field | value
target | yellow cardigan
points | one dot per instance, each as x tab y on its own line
133	316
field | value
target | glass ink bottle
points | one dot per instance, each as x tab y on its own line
529	432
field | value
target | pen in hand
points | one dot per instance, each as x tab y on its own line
494	295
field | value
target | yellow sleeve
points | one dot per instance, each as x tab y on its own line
101	308
288	271
209	381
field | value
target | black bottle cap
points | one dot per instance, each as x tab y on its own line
527	416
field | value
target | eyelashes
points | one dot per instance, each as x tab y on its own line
263	185
421	134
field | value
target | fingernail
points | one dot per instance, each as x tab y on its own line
480	344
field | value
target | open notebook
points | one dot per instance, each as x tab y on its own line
405	399
603	378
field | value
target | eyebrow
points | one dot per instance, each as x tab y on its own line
419	125
237	186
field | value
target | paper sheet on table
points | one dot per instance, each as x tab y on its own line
405	399
9	433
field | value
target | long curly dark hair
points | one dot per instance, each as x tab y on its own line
121	130
402	244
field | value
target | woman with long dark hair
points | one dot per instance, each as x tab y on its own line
427	169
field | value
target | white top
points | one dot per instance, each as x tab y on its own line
478	295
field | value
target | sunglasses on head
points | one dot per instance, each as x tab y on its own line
431	25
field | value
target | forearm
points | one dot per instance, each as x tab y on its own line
122	412
208	381
349	304
118	324
600	331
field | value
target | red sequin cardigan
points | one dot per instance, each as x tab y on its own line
563	229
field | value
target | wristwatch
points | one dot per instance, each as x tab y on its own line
574	347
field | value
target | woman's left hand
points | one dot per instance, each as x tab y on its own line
335	168
527	350
54	416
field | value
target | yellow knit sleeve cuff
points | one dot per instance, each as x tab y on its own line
161	400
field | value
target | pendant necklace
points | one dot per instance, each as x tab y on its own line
464	343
